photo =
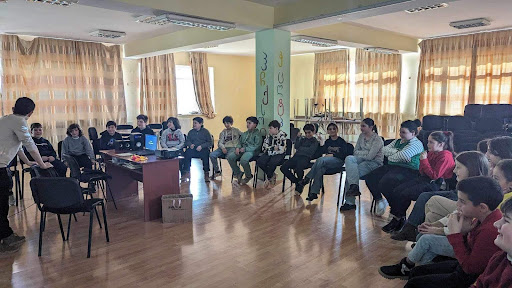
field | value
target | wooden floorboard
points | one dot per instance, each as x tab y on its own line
239	237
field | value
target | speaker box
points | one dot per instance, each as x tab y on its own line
122	145
137	141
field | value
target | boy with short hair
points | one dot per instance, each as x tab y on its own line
471	234
198	143
109	136
274	148
305	148
46	150
248	146
142	121
228	140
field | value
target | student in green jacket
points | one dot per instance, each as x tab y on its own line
248	146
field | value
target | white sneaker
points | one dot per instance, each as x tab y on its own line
12	201
382	205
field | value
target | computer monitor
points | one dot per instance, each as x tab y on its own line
150	142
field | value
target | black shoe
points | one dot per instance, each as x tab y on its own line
353	190
400	270
304	181
348	207
408	233
298	189
394	225
312	196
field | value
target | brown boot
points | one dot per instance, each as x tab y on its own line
408	233
206	176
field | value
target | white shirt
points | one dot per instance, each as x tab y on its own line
14	132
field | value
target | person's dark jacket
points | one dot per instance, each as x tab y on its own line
201	137
146	130
44	146
306	146
338	148
107	141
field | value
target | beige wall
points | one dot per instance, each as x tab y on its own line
301	81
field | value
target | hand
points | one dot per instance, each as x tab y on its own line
31	163
224	150
50	158
423	155
45	158
199	148
192	146
467	225
237	151
46	166
242	150
456	224
427	228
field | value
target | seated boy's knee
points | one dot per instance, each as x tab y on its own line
350	159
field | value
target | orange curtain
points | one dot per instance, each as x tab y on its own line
378	83
158	88
201	78
331	80
70	81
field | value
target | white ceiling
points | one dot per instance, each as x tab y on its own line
436	22
74	22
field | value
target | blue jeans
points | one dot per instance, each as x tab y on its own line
417	215
214	157
318	170
357	167
428	247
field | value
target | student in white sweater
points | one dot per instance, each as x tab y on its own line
172	137
78	147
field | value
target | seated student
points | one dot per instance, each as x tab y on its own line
336	150
142	121
482	146
228	140
499	148
172	137
467	164
367	157
435	165
248	146
403	165
471	234
305	148
498	272
274	149
198	143
78	147
46	150
109	136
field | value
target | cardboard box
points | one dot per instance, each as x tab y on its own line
177	208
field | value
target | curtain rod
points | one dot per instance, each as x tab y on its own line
469	33
58	38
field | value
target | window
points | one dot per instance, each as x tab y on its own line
185	90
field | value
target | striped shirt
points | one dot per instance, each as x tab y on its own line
405	154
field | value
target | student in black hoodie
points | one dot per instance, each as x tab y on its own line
45	149
142	121
305	148
109	136
198	143
335	150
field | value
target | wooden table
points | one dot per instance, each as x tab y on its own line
159	177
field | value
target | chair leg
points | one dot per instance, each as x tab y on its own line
61	229
284	181
97	216
41	229
69	225
17	188
44	222
105	221
339	192
111	195
74	215
22	185
255	179
90	234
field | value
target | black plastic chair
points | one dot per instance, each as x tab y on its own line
124	127
155	126
59	149
95	142
63	196
91	177
287	153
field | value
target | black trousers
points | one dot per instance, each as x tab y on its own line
204	155
298	163
83	161
447	274
385	179
60	167
269	163
402	196
5	188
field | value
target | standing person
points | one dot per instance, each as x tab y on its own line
335	150
367	157
274	151
248	146
45	149
198	143
403	165
172	137
435	166
78	147
228	140
142	121
13	133
305	148
109	136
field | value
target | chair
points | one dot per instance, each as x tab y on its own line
59	149
124	127
95	142
63	196
89	176
164	126
155	126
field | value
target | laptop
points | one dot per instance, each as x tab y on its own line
150	145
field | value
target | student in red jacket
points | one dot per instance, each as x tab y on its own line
499	270
471	234
436	164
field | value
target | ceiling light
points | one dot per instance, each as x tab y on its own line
64	3
210	46
427	8
471	23
187	21
107	34
320	42
381	50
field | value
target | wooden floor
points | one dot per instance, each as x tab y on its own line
239	237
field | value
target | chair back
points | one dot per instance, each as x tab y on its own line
14	163
288	151
74	168
59	149
56	192
293	134
124	127
155	126
164	126
350	149
36	171
93	133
